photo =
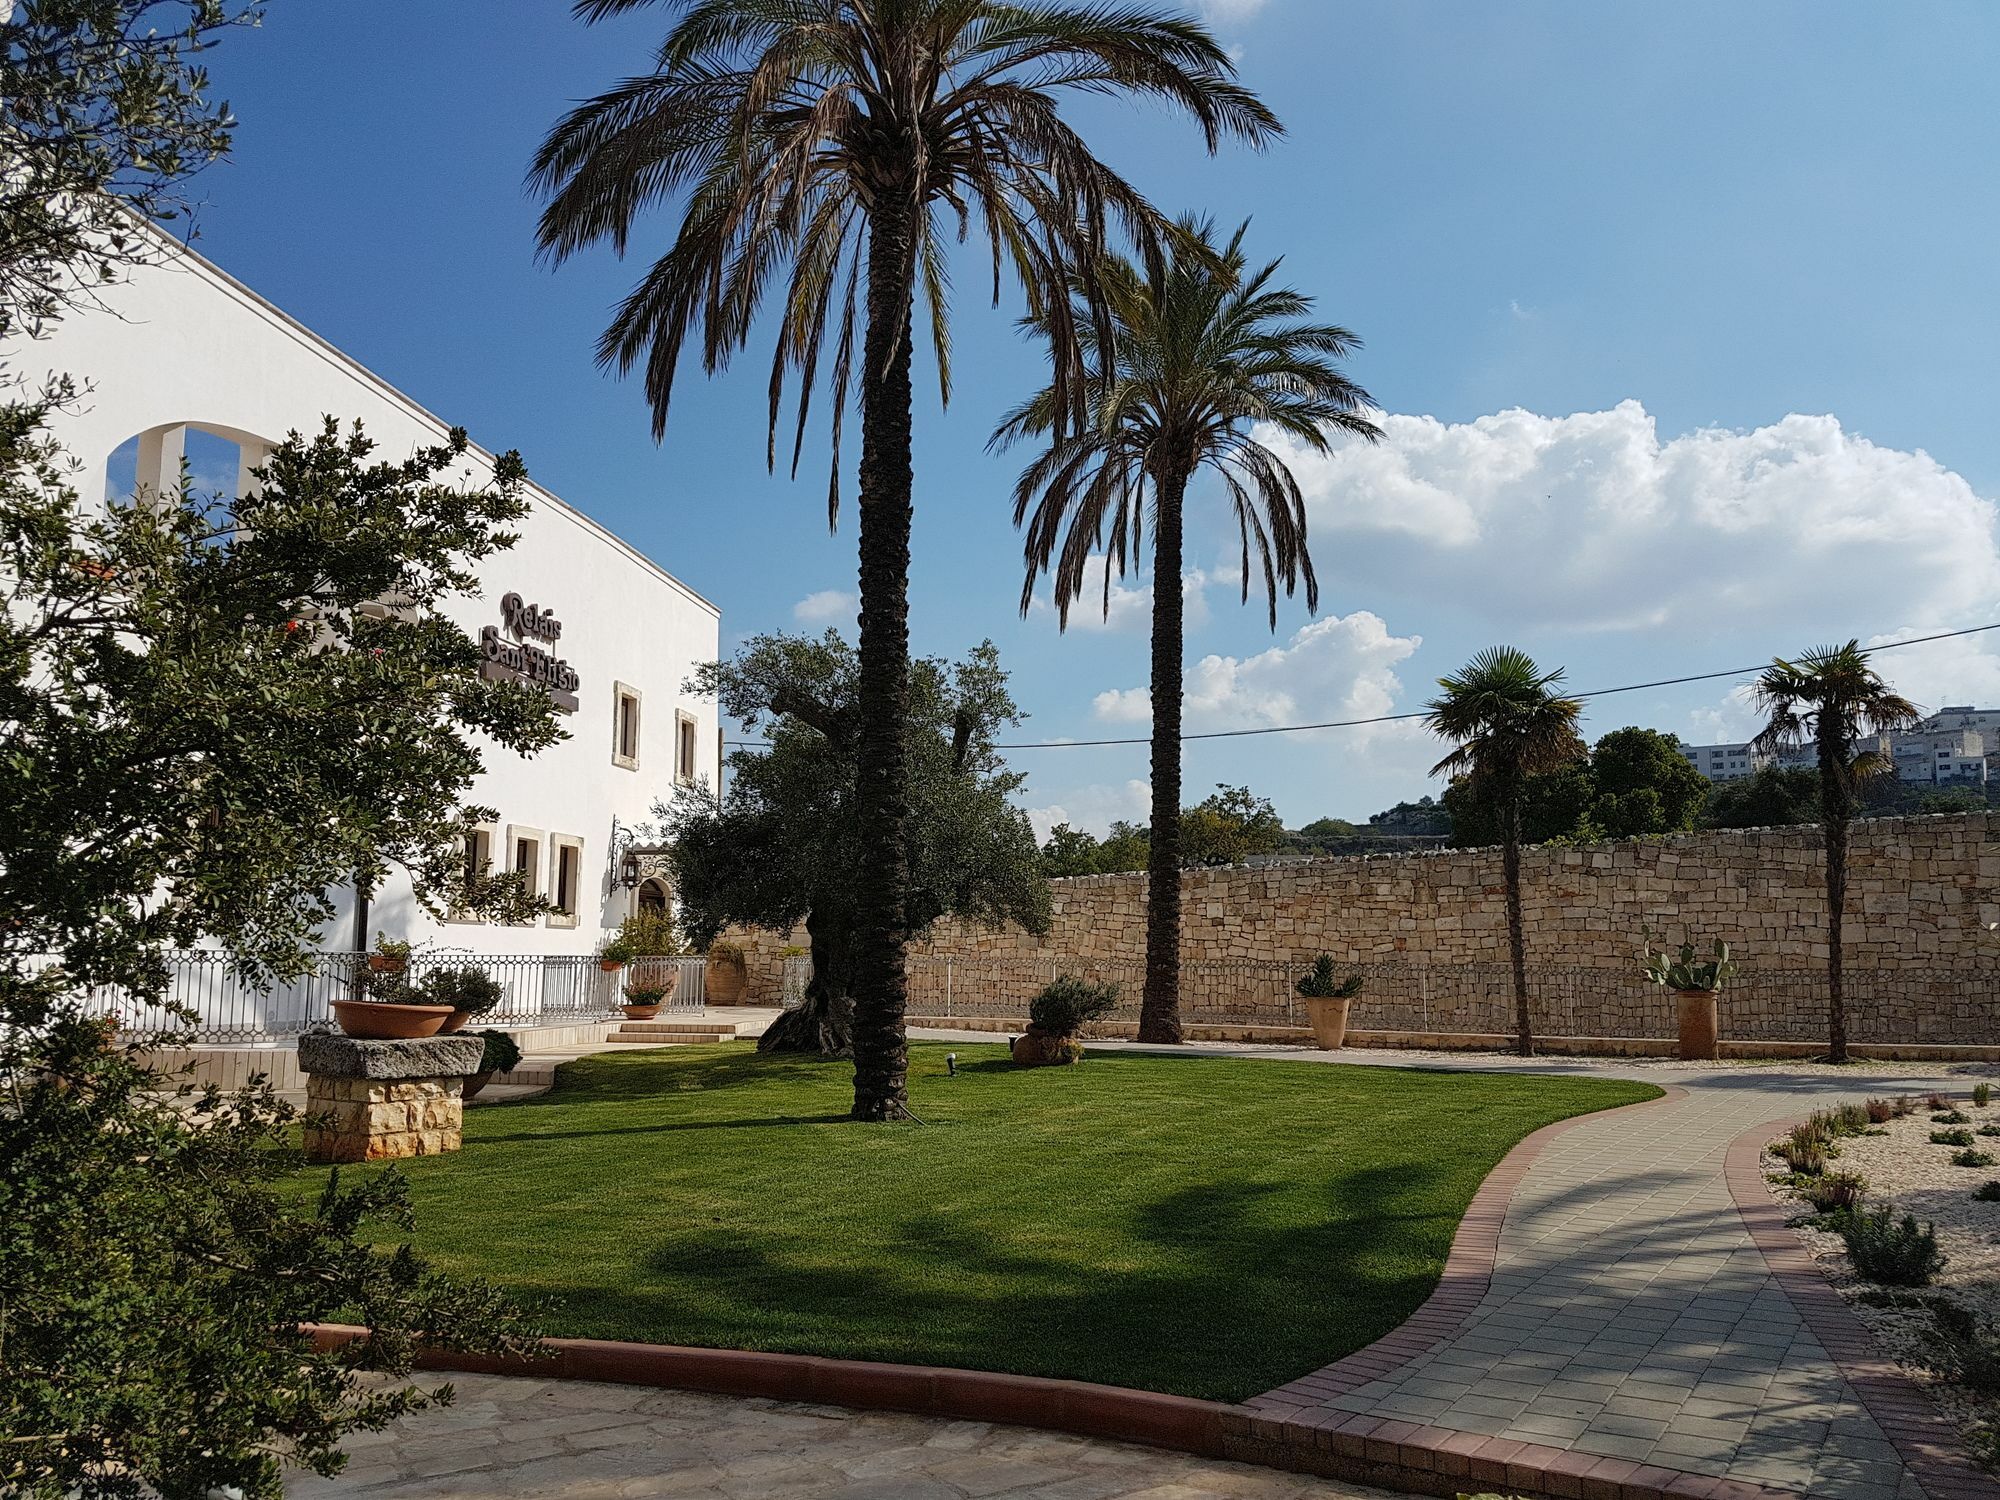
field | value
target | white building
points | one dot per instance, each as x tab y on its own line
1725	762
189	360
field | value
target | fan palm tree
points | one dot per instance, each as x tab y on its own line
825	151
1509	723
1199	359
1831	698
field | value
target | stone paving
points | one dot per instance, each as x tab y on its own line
1630	1316
519	1438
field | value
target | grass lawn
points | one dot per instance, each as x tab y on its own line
1212	1227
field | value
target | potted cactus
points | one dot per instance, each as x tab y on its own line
1327	999
1695	982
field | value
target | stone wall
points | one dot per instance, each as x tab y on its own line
1429	930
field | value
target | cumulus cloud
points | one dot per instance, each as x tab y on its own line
1342	667
1094	808
1799	529
827	607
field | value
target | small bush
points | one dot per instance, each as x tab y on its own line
1951	1117
1833	1192
1963	1351
1850	1119
1982	1095
1988	1130
502	1052
1905	1106
1880	1111
1070	1004
1936	1101
1890	1251
1988	1193
1971	1158
473	991
1812	1132
1953	1137
1878	1296
1806	1158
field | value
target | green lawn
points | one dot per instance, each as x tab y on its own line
1205	1226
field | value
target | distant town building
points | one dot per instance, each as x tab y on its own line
1725	762
1956	746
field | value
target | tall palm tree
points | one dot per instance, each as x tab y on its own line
831	149
1831	697
1198	358
1509	722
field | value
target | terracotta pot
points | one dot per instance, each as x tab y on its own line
474	1082
1043	1049
457	1019
380	1021
387	963
1698	1036
725	981
640	1012
611	965
1329	1020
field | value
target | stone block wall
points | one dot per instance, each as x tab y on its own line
370	1119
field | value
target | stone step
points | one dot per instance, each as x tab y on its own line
674	1039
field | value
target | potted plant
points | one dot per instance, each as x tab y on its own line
1056	1015
725	973
616	952
468	991
1327	1000
643	998
1695	983
389	1020
389	957
501	1055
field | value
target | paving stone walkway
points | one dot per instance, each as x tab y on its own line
1629	1314
514	1438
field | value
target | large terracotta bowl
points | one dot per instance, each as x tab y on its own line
377	1020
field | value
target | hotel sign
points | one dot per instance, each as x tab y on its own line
520	659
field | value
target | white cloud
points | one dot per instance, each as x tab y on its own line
1341	667
1125	608
1094	808
827	607
1797	531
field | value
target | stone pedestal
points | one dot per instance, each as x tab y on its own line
375	1100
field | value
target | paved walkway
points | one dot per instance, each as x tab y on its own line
1630	1316
519	1438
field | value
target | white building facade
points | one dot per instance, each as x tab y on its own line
187	356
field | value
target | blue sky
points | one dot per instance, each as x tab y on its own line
1683	318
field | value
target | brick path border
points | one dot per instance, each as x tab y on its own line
1927	1440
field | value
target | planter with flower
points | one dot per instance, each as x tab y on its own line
502	1054
389	957
616	952
1327	1000
1695	983
386	1006
644	998
1056	1015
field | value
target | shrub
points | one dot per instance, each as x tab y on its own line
1851	1119
1936	1101
1891	1251
1811	1132
1971	1158
1982	1095
653	935
1988	1192
1988	1130
1834	1192
1069	1004
471	990
645	993
502	1052
1905	1106
1880	1111
1951	1117
1963	1351
1806	1158
1318	983
1954	1137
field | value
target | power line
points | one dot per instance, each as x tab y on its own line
1632	687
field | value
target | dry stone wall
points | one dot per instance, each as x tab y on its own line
1429	930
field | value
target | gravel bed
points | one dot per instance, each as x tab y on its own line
1904	1168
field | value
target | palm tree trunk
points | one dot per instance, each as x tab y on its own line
1517	938
1160	1010
881	884
1836	810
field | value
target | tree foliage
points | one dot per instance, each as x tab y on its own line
1633	782
779	848
104	114
1769	797
1225	828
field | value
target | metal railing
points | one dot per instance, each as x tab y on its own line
536	991
1956	1006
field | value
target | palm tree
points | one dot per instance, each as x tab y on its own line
831	149
1198	359
1509	723
1831	697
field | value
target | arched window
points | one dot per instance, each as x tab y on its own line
652	897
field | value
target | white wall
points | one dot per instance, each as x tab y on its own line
185	344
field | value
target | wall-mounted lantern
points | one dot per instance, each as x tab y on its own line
628	870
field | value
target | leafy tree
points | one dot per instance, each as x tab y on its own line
1329	828
781	847
201	730
1832	696
104	114
1126	848
1956	799
1635	782
1509	723
1769	797
1197	356
1070	851
1553	804
1228	827
833	148
1424	817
